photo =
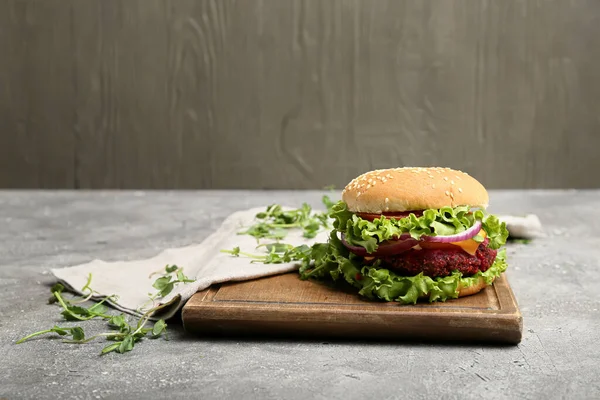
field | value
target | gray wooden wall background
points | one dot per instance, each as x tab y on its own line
297	94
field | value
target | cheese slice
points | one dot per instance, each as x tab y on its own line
470	245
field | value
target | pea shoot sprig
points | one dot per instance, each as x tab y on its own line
122	333
277	253
275	222
167	281
171	275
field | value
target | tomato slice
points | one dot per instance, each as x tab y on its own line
395	215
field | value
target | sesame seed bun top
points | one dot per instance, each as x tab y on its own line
413	188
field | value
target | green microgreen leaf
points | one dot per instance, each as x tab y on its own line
119	322
180	276
74	313
126	345
77	333
162	282
159	328
170	268
111	348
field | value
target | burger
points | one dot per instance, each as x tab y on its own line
410	234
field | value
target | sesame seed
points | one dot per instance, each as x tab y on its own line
452	195
460	190
358	194
452	182
387	200
433	186
445	178
447	193
368	186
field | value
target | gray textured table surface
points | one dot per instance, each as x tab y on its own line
555	280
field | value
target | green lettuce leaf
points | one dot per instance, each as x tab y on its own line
332	261
445	221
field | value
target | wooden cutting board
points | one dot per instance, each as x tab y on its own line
284	305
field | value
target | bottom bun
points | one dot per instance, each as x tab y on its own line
469	290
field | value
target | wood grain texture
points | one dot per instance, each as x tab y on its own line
283	305
297	93
36	95
124	138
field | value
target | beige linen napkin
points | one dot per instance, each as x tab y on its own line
204	262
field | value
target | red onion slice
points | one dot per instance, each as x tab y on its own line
468	234
387	248
406	242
